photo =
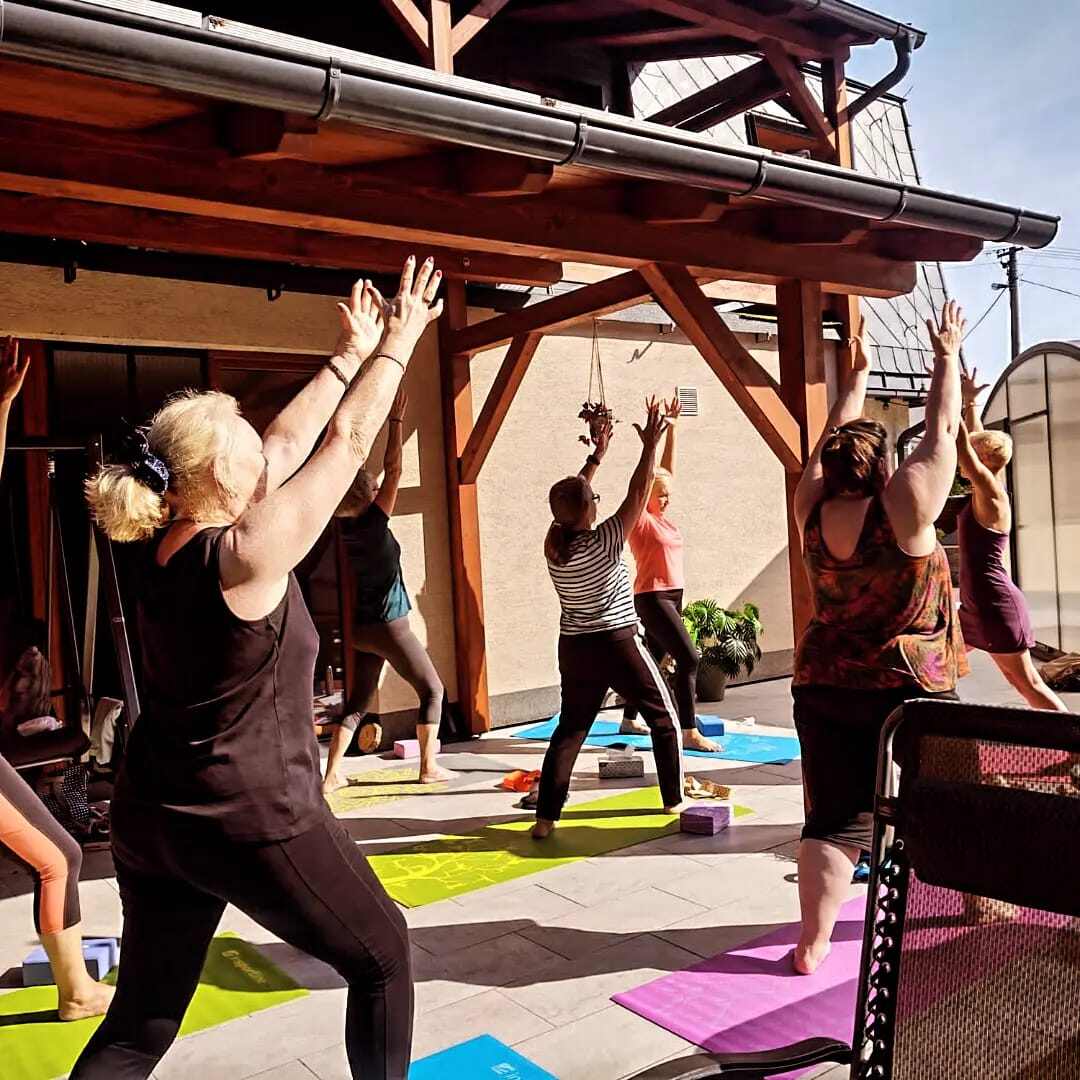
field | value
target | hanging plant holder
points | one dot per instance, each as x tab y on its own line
595	411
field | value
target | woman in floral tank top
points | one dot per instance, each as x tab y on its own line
884	627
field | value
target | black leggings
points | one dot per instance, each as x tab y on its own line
393	643
314	891
665	635
38	841
590	665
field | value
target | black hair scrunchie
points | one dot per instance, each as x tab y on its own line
145	466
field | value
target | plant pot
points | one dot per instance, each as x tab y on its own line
711	682
948	517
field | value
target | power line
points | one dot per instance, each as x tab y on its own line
993	304
1052	288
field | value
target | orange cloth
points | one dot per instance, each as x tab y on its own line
657	546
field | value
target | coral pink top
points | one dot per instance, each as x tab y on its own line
657	545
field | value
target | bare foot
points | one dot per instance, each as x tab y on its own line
436	774
806	959
633	727
678	808
542	829
95	1002
693	740
333	782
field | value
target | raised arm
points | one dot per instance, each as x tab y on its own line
601	441
970	464
969	393
641	480
388	489
916	494
12	373
672	412
848	406
274	534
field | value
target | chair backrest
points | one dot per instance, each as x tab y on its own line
973	966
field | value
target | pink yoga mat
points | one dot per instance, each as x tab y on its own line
750	999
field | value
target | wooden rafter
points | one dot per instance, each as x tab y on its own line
752	387
670	205
468	26
440	36
744	90
413	24
809	111
497	404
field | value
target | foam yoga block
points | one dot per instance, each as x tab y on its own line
612	768
410	748
708	820
711	726
100	954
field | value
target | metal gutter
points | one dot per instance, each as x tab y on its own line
903	46
401	98
860	18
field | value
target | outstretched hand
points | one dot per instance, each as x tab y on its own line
361	322
673	408
655	424
601	437
970	389
414	308
856	345
12	369
948	338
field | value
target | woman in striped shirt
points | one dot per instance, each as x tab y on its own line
599	643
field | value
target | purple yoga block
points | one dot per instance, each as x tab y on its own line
99	953
708	820
711	726
410	748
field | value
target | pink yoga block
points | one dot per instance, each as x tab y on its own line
708	820
410	748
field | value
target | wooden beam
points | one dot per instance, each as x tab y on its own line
809	111
470	648
491	174
412	22
497	405
592	301
70	219
803	389
468	26
922	245
440	36
801	225
261	133
670	204
753	388
744	90
37	159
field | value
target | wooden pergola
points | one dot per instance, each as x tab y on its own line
134	162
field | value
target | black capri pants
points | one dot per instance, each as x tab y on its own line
839	731
314	891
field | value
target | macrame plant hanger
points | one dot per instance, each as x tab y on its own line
595	410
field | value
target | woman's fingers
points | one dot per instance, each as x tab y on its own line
432	289
435	311
423	276
406	284
346	316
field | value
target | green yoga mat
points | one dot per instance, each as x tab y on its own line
452	865
236	980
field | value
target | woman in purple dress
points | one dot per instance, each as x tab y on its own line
993	612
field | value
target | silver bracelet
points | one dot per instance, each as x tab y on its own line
387	356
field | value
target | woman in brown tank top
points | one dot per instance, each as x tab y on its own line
884	627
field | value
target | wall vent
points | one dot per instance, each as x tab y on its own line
688	400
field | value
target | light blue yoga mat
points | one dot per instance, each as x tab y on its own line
476	1059
759	749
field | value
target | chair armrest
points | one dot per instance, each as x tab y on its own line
751	1066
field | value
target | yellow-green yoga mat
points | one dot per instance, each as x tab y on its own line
236	980
451	865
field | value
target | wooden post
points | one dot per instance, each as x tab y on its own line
440	36
803	389
470	647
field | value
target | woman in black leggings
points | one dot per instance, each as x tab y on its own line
380	612
657	547
219	799
599	646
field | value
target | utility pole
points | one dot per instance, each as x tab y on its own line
1007	258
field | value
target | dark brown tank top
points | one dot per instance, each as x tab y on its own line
882	618
226	735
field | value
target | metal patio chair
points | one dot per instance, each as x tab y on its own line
971	952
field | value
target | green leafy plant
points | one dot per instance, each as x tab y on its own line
726	639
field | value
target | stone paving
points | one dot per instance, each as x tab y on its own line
534	961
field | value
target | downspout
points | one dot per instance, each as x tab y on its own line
903	46
377	93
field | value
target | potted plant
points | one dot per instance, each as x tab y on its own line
954	504
727	641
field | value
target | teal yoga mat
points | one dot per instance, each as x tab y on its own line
759	749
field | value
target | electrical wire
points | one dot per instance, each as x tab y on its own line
993	304
1052	288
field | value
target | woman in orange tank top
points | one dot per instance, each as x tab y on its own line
884	626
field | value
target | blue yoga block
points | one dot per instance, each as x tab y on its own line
100	955
711	726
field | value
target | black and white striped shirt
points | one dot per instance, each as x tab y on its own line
594	585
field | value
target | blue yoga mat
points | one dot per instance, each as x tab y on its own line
760	749
481	1057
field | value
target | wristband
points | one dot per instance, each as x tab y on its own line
338	372
387	356
592	459
394	420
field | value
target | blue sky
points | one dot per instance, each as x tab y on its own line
994	104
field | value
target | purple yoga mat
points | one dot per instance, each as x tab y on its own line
750	999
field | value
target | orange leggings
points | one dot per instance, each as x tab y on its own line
36	839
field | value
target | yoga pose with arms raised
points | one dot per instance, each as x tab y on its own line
219	799
599	647
657	546
380	611
32	835
993	612
884	626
